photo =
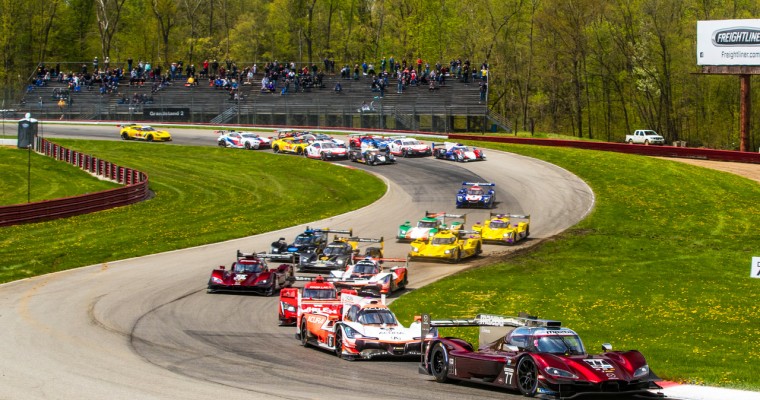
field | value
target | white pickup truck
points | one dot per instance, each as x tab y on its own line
644	136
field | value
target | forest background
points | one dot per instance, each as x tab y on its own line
587	68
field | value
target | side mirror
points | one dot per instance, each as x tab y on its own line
606	347
221	267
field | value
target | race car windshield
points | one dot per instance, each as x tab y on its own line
444	240
411	142
333	249
320	293
246	268
365	268
498	224
559	344
475	191
147	128
251	135
328	145
304	239
426	224
368	317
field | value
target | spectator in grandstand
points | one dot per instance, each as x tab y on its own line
483	90
338	88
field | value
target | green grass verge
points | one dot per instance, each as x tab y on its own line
50	179
661	264
203	195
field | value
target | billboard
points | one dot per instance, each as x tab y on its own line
728	42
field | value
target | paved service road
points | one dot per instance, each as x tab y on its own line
107	332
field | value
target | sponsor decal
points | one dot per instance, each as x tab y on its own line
600	365
738	36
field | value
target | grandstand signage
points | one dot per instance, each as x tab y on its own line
728	42
166	114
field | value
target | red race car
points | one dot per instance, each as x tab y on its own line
535	357
250	273
316	295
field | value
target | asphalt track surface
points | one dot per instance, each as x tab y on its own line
145	328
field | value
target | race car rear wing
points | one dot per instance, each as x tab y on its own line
501	215
478	183
265	256
443	215
348	232
463	233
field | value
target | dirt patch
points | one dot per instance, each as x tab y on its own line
751	171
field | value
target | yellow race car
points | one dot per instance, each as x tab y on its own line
499	228
295	145
144	132
448	245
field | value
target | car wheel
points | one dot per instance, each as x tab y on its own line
276	149
222	143
271	289
304	341
527	377
149	138
339	343
457	257
478	249
630	141
405	154
646	142
527	232
247	145
323	156
300	152
124	136
439	363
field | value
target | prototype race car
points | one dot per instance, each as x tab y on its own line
448	245
242	140
499	228
290	144
368	278
360	140
338	254
538	358
429	225
366	329
144	132
456	152
310	241
326	150
409	147
371	156
475	195
317	295
250	273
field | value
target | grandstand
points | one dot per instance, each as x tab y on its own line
453	107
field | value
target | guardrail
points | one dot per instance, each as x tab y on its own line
135	189
647	150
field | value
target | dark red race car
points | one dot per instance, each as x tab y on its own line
538	358
250	273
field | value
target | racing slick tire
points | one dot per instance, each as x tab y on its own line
304	332
405	153
149	138
247	145
439	363
527	376
270	291
276	149
457	257
300	152
527	232
323	156
339	344
221	143
124	136
478	250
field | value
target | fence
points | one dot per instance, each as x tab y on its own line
135	189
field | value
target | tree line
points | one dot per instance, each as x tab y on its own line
594	69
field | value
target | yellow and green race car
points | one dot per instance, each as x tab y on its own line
499	228
448	245
144	132
290	145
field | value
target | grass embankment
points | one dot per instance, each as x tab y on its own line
661	264
203	195
50	179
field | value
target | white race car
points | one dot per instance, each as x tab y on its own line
326	150
243	140
408	147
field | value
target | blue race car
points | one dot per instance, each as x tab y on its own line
476	195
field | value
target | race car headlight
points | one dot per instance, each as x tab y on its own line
263	282
216	279
447	251
415	249
508	235
560	373
641	372
352	333
288	307
460	198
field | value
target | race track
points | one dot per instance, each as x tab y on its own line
107	332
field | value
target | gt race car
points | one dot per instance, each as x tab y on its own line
250	273
326	150
338	254
144	132
371	156
500	228
310	241
242	140
290	144
409	147
448	245
457	152
360	140
476	195
368	277
429	225
365	329
538	358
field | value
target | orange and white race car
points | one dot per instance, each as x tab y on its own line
368	277
317	295
365	329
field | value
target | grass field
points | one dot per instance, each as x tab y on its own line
50	179
662	263
203	195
